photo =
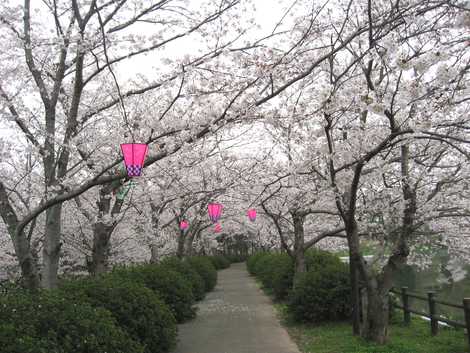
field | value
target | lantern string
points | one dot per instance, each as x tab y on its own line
108	64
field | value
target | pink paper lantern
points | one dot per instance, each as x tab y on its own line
134	157
184	225
252	214
218	228
215	211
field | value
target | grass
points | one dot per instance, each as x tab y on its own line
338	338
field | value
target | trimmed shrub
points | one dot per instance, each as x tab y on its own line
316	259
282	276
236	258
206	270
276	272
265	270
252	260
192	276
219	262
136	308
261	268
171	286
322	294
45	322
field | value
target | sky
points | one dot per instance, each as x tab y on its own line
266	15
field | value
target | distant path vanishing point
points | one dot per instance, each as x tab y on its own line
235	318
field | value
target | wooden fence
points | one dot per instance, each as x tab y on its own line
433	314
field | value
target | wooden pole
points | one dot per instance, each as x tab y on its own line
433	313
466	309
406	305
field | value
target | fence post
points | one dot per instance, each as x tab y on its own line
466	310
406	305
433	313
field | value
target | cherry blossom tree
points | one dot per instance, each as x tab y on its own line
386	124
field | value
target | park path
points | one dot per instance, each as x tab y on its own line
235	318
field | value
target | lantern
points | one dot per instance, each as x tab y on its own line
134	157
251	214
184	225
215	210
217	228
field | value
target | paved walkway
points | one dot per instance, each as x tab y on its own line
235	318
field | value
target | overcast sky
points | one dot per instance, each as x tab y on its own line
266	15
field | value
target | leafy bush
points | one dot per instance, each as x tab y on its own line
236	258
262	270
171	286
276	272
316	259
252	261
265	271
321	294
206	270
282	275
191	275
219	262
45	322
136	308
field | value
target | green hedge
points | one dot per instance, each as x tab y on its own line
252	261
46	322
206	270
130	310
276	272
322	294
281	279
136	308
220	262
171	286
190	274
235	258
316	259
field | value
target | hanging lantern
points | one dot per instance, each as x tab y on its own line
184	225
134	157
251	214
218	228
215	211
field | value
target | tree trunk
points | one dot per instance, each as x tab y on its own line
299	249
354	263
300	261
51	247
154	254
102	231
375	324
100	253
28	265
355	294
21	243
188	244
181	241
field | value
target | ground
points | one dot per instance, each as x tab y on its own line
237	317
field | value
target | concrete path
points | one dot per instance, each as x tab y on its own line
235	318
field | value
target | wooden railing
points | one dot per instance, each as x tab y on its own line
433	314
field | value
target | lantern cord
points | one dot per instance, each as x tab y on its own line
105	49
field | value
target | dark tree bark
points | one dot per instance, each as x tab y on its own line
21	243
103	230
299	247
